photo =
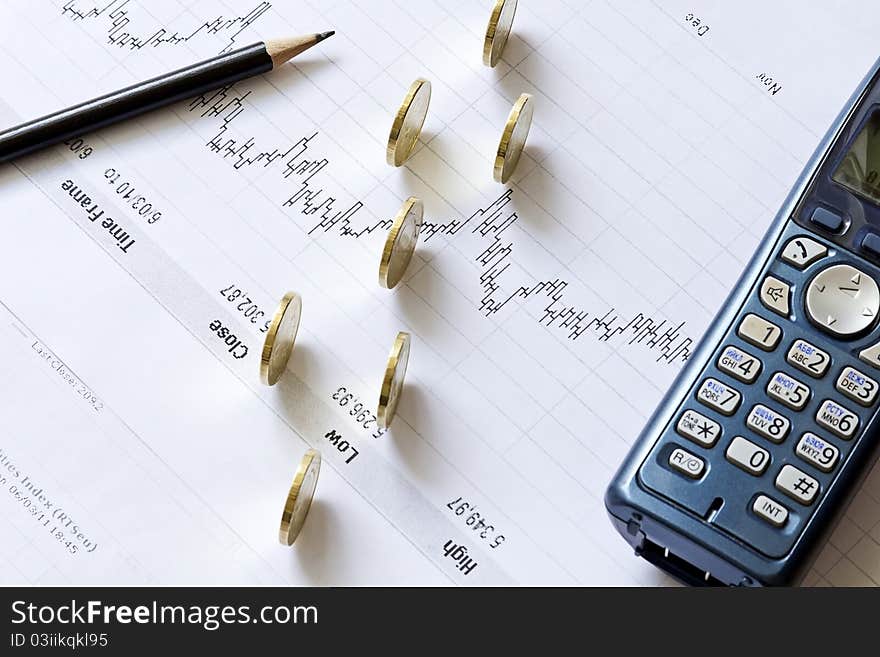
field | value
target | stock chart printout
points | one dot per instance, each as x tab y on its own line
140	267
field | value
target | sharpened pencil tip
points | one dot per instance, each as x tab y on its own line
282	50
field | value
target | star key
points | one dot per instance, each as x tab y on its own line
705	430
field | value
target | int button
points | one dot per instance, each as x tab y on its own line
825	218
770	510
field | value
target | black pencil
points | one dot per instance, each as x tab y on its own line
152	94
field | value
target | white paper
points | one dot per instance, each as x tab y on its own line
548	315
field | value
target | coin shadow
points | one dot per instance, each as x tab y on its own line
538	153
414	452
303	362
318	550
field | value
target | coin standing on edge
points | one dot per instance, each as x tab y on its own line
392	384
280	338
513	139
401	242
408	123
500	22
299	498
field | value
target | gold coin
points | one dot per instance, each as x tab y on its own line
401	242
280	338
299	498
500	23
392	384
513	139
408	123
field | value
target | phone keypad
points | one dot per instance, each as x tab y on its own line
770	510
793	413
686	463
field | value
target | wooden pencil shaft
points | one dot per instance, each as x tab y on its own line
134	100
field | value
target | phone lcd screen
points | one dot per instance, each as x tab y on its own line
860	169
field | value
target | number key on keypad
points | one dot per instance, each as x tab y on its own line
808	358
719	396
817	451
739	364
857	386
837	419
759	332
788	390
768	423
747	455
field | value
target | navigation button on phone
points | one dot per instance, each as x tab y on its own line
842	300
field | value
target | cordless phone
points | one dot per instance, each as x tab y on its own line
755	452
